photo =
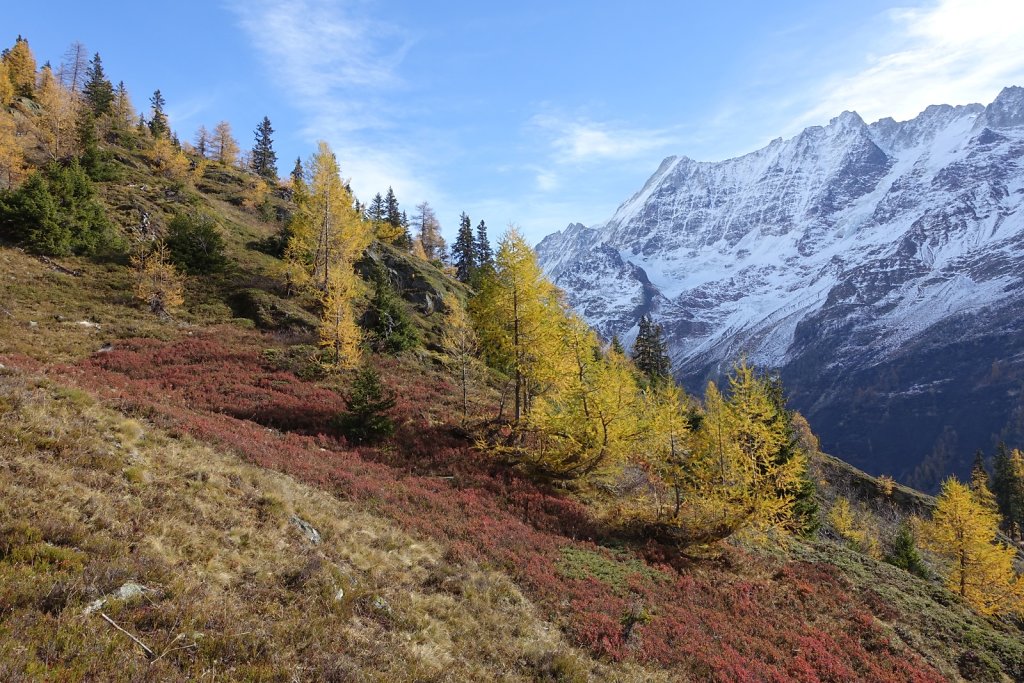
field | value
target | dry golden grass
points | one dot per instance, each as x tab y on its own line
91	500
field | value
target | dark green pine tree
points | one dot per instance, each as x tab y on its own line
904	552
464	250
406	241
366	419
395	217
1008	487
264	159
98	91
298	175
484	255
650	352
391	328
804	494
375	211
158	120
616	345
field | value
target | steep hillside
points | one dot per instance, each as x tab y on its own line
878	266
179	499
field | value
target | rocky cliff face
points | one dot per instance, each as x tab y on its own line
880	267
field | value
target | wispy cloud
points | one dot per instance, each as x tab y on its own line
579	140
341	68
952	51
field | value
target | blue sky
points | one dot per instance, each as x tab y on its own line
537	113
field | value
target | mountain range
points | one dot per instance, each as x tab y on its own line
877	267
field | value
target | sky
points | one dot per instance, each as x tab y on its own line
534	113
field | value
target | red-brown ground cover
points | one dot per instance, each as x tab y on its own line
754	621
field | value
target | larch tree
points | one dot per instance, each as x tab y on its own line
741	482
158	125
429	232
12	160
6	88
73	67
201	142
122	109
589	423
223	146
157	283
464	255
263	158
21	68
327	237
98	90
515	312
962	533
59	114
461	346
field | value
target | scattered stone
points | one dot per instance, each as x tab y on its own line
33	324
310	532
106	348
128	591
89	324
340	595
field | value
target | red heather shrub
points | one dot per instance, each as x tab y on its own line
803	623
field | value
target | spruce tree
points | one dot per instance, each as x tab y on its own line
264	159
464	251
298	174
391	328
484	254
650	351
375	211
904	552
158	120
366	419
1008	486
98	91
615	345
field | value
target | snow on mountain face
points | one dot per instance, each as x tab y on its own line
834	256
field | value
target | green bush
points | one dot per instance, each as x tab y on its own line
56	213
195	244
391	328
368	404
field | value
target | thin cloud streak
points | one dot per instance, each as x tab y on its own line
582	141
340	68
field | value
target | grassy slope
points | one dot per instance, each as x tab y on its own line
467	565
93	500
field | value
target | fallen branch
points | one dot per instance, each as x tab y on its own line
149	653
58	267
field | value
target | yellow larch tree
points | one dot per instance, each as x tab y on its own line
12	160
962	533
669	455
588	424
169	161
460	344
59	112
21	68
223	146
741	481
516	312
327	237
157	283
6	88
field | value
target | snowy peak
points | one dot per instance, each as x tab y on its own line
825	255
1006	111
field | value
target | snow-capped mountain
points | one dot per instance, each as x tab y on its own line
879	266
